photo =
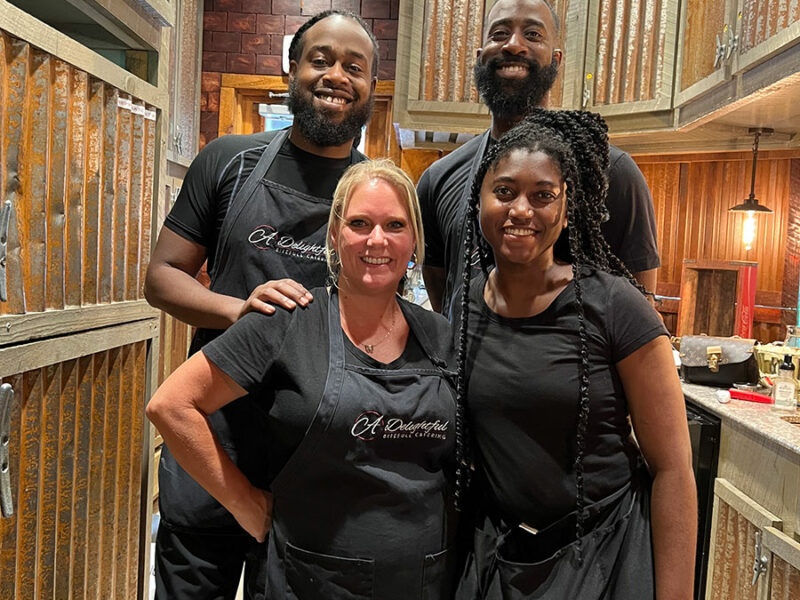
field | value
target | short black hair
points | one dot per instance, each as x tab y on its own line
556	20
296	47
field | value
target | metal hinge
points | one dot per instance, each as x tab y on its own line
5	219
6	400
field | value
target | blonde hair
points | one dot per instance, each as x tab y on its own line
385	170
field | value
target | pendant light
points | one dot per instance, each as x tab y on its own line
750	204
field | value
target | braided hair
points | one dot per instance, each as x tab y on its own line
577	143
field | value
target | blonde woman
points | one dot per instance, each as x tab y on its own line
360	415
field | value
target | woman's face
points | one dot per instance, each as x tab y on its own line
374	239
523	208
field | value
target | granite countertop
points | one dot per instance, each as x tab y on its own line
758	418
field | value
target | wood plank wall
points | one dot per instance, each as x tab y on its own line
762	19
631	44
78	171
692	194
76	445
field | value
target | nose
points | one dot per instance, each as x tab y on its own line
515	44
377	237
520	208
335	76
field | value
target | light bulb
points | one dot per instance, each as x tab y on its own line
749	230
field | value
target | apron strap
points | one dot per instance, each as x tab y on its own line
450	299
239	201
423	338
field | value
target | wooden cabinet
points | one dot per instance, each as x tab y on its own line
630	56
765	28
184	74
783	554
737	538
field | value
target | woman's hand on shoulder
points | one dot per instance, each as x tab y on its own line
254	513
286	293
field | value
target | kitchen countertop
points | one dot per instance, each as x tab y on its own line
758	418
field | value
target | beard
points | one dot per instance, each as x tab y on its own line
315	123
510	99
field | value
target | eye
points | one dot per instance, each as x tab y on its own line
498	35
533	35
319	62
355	68
395	225
546	197
357	223
503	192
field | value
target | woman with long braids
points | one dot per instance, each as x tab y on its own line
557	349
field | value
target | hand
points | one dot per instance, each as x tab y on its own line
256	517
282	292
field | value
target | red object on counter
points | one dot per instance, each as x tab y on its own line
750	396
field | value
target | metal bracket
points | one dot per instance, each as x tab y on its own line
732	45
760	562
5	219
6	400
587	95
720	52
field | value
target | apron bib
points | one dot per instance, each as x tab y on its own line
508	563
361	507
269	232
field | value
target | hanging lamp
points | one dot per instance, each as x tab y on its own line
750	204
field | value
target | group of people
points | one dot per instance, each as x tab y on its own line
342	443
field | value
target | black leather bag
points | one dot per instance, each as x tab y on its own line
718	361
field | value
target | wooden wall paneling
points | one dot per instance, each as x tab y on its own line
108	503
47	481
133	219
140	430
77	150
9	525
82	539
57	171
34	181
15	80
150	159
122	197
126	401
704	20
95	489
105	234
763	19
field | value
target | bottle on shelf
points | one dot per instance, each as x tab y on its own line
784	387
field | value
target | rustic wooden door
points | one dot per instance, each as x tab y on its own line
77	166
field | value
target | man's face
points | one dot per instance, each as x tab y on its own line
519	61
331	86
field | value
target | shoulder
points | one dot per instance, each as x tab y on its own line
458	160
435	326
622	168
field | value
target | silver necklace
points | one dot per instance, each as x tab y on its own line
370	348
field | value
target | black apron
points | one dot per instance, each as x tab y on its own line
363	508
269	232
510	563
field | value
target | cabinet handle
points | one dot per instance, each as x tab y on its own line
760	562
733	43
720	52
6	400
5	219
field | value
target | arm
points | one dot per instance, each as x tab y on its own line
170	285
658	415
649	280
179	410
434	284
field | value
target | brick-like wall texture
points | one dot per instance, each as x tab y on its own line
246	36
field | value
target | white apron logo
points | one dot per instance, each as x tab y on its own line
371	425
266	237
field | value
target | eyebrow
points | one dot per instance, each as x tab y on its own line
508	178
325	48
508	22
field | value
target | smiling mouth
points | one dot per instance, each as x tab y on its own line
371	260
518	231
513	69
332	99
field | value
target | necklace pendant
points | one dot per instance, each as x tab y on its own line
369	348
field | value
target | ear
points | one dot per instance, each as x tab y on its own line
373	85
478	53
292	69
557	56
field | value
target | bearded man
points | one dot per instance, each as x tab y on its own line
514	71
256	208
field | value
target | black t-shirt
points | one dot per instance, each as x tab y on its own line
523	397
282	361
630	230
222	167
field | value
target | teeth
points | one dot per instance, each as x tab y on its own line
514	68
334	100
518	231
375	261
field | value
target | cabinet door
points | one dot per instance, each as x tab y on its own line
631	67
703	26
735	533
437	45
184	76
766	27
785	558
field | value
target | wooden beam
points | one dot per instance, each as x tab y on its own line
15	329
22	25
35	355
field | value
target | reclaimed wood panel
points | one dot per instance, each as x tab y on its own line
704	21
763	19
785	580
734	552
631	51
77	168
76	445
